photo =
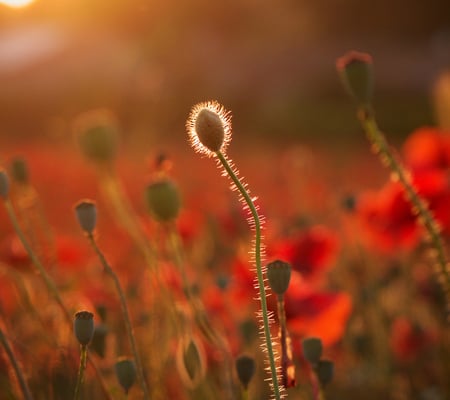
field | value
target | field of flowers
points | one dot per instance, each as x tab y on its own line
132	271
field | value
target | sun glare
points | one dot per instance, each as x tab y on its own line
16	3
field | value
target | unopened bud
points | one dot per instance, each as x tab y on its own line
83	327
279	275
191	362
163	200
355	70
312	349
126	373
325	371
86	213
4	184
19	170
98	343
245	368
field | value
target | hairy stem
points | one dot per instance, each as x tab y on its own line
81	369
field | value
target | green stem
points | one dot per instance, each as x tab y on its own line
126	315
20	376
285	359
81	369
51	287
259	271
244	394
419	206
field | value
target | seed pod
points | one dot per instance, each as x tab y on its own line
325	371
126	373
355	70
190	362
163	200
86	213
279	275
19	170
245	368
83	327
4	184
312	349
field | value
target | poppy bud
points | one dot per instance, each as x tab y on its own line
126	373
4	184
19	170
355	70
245	368
312	349
190	362
163	200
325	371
279	275
98	343
86	213
97	135
83	327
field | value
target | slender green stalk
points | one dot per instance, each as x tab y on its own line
15	364
285	359
259	272
49	283
126	314
81	369
244	394
419	206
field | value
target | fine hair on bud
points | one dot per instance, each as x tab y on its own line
125	370
245	369
19	170
312	349
163	200
83	327
86	213
355	70
97	135
209	128
4	184
190	361
279	276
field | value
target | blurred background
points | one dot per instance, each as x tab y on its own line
272	62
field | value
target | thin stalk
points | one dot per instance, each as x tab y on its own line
81	369
51	287
15	364
126	314
285	359
259	272
419	206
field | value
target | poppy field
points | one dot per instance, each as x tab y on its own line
138	271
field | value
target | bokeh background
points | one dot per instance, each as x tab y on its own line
271	62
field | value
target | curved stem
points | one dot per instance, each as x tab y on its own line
49	283
259	271
81	369
126	315
20	376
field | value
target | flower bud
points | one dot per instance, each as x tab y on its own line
126	373
98	343
355	70
4	184
19	170
163	200
97	135
190	362
86	213
245	368
279	275
83	327
325	371
312	349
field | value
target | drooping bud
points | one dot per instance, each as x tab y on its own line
126	373
163	200
355	70
97	135
325	371
245	368
19	170
98	343
86	213
209	128
190	362
4	184
83	327
312	350
279	275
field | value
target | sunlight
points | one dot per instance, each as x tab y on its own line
16	3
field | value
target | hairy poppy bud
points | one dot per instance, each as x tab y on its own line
355	70
279	275
4	184
83	327
245	368
163	200
126	373
86	213
312	349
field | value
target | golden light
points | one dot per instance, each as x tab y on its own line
16	3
